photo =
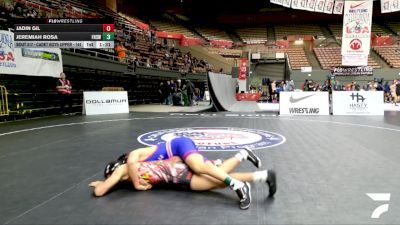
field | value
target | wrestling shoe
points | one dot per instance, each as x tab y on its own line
253	158
271	181
244	194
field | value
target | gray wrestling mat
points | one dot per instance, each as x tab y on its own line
325	167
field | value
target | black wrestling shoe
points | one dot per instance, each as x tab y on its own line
271	181
253	158
244	194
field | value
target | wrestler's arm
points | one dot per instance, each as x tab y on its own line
102	187
133	162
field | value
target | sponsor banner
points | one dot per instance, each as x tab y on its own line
357	22
287	3
338	9
243	69
357	103
304	103
311	5
354	60
105	102
216	138
353	71
329	4
319	6
27	61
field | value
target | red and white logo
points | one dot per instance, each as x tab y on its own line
355	44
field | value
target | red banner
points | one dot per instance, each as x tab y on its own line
248	96
282	43
141	25
382	41
243	69
172	35
221	43
187	41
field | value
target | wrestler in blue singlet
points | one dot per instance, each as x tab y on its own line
181	147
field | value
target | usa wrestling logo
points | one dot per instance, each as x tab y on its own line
217	138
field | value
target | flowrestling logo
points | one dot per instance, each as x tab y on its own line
217	138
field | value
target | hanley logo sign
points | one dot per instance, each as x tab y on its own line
217	138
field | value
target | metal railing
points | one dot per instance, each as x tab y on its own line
94	53
3	101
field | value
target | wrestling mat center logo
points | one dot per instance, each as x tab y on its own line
217	138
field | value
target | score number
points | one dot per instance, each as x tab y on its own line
108	27
108	32
108	36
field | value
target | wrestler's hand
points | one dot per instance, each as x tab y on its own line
95	183
141	187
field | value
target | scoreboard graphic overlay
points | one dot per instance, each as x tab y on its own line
63	33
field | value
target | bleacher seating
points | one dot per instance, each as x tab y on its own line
172	27
394	25
282	31
253	35
213	34
336	29
391	54
297	57
331	57
228	53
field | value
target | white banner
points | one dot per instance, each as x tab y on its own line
385	6
105	102
28	61
357	22
329	4
303	4
389	6
357	103
338	9
295	4
395	5
319	7
311	5
354	60
303	103
287	3
278	2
